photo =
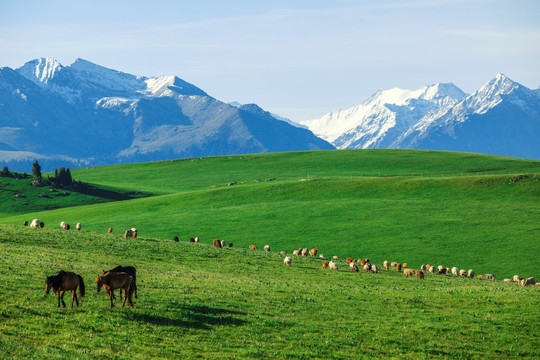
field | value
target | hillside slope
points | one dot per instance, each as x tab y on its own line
197	301
470	219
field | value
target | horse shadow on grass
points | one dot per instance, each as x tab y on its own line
194	317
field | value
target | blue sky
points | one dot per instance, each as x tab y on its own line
299	59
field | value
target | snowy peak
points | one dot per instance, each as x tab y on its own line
402	97
41	70
169	85
441	90
88	72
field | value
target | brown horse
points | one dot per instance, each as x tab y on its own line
111	281
131	271
63	281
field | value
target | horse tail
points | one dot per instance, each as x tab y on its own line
81	286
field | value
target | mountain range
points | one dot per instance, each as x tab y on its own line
86	115
502	118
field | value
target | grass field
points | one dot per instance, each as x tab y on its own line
196	301
455	209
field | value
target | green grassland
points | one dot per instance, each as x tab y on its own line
323	199
197	301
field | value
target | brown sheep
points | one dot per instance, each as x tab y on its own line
462	272
528	281
191	240
362	262
349	260
405	265
42	224
217	243
408	272
67	226
480	276
313	252
398	267
325	264
507	280
109	230
176	239
252	247
419	274
230	244
134	233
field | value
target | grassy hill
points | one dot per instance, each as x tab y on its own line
197	301
454	209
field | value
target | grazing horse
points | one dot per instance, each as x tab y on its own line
63	281
114	280
131	271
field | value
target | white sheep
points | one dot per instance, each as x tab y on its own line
489	277
305	252
63	225
335	257
353	267
287	261
423	267
455	271
462	272
266	247
431	269
78	226
35	223
197	239
295	252
374	269
516	278
223	243
332	265
321	256
470	273
386	265
367	267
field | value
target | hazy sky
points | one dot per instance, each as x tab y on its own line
297	58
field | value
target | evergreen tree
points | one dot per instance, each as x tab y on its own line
36	170
5	172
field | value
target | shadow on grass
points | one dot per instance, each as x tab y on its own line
89	189
194	317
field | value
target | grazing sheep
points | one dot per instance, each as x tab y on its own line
134	235
192	240
267	248
432	269
423	267
480	276
528	281
332	265
398	267
462	273
42	224
295	252
217	243
335	257
367	267
455	271
321	256
507	280
516	278
408	272
489	276
63	225
197	239
230	244
353	267
128	233
109	230
34	223
325	264
78	226
25	223
313	252
393	264
287	261
349	260
68	226
283	252
440	267
252	247
362	262
470	273
305	252
386	265
223	243
367	260
374	269
405	265
419	274
177	240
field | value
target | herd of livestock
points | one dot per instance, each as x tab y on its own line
124	278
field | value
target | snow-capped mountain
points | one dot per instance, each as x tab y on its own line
85	114
502	117
376	122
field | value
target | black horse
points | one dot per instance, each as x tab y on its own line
131	271
64	281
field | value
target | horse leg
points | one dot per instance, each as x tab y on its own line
58	297
74	297
125	296
62	297
111	294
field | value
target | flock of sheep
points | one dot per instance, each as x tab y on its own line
364	264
